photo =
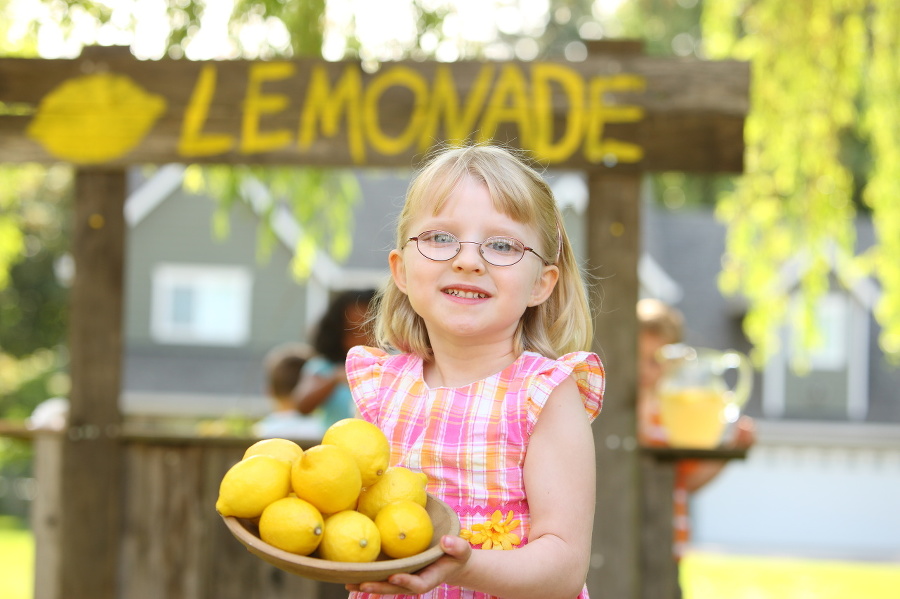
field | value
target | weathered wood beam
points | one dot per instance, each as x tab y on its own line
90	467
613	250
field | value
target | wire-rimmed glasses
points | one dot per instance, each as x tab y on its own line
499	250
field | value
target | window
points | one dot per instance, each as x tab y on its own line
201	305
832	320
833	387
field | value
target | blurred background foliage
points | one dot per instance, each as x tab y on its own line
823	137
822	143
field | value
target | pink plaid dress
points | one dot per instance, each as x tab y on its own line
470	441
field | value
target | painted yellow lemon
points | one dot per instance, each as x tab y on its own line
95	118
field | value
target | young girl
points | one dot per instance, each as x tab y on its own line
482	382
323	381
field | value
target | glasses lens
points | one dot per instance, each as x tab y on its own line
502	251
438	245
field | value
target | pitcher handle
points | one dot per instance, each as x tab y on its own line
735	360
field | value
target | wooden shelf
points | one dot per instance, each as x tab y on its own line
15	429
687	453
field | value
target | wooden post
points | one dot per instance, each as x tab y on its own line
613	250
660	580
658	467
90	462
46	511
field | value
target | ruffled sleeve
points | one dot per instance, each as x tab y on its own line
364	370
587	370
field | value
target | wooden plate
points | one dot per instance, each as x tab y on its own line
444	519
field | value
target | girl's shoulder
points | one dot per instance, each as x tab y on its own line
588	362
370	371
363	361
545	374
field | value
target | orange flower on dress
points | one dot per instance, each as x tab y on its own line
494	533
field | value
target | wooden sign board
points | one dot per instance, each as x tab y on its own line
635	112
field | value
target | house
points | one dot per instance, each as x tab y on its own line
201	312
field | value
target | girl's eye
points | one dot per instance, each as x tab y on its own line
440	237
502	245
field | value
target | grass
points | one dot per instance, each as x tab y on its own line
703	575
16	564
717	576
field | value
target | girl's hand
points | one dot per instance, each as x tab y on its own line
456	553
745	435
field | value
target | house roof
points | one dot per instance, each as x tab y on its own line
860	286
150	193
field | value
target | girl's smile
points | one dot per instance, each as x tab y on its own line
466	292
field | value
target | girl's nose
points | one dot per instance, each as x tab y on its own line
469	258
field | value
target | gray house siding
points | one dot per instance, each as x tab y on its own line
827	491
180	231
162	376
885	392
383	193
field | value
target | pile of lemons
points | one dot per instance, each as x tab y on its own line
338	499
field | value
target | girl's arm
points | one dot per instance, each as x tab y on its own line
559	481
315	388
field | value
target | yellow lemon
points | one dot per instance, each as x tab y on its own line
293	525
405	528
95	118
398	483
327	476
369	446
350	537
252	484
283	449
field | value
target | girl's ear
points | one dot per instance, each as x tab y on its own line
398	271
544	285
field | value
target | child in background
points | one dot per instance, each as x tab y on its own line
660	324
492	392
323	386
283	365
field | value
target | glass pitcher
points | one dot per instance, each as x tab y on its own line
696	402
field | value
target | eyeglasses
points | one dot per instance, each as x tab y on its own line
499	251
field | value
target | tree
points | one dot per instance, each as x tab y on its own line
822	147
825	80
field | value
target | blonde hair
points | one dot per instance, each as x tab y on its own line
559	325
660	319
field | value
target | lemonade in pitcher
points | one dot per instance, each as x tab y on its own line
693	417
695	402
